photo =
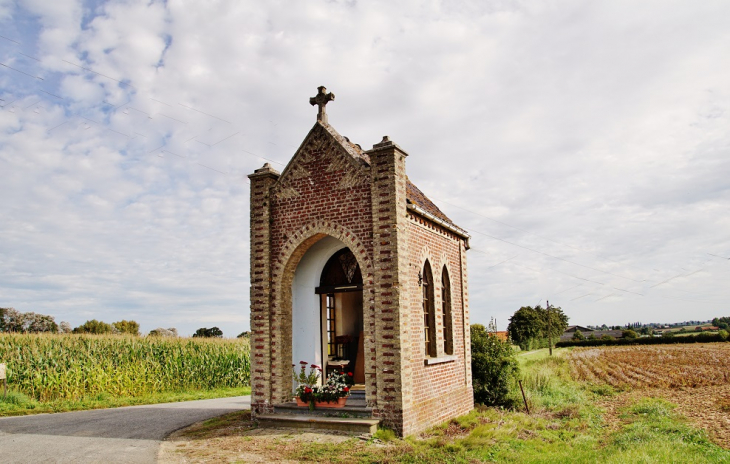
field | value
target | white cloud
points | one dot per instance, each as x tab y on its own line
598	132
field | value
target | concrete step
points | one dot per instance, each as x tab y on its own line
351	409
350	425
356	407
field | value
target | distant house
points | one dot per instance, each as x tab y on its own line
568	335
502	335
574	328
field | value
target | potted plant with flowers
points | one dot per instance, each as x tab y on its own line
306	391
334	392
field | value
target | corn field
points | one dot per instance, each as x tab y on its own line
51	367
653	366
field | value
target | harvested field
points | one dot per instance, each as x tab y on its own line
694	377
653	366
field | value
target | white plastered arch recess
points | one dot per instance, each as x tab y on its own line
284	270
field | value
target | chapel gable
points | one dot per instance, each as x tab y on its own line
325	162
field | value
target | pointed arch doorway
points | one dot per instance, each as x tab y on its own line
327	309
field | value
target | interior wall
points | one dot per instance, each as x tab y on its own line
349	319
306	322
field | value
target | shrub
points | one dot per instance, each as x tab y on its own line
629	334
578	335
494	368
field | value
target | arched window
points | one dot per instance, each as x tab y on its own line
429	316
446	307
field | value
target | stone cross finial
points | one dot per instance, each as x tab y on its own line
321	100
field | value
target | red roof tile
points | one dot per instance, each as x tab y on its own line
416	197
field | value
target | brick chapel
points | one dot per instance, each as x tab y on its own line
353	267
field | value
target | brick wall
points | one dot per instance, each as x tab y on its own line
442	390
330	188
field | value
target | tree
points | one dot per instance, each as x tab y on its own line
93	327
2	318
160	332
64	328
494	368
722	322
39	323
127	327
244	334
528	326
525	326
578	335
629	334
15	321
213	332
645	331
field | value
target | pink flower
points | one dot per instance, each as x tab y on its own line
303	362
346	389
316	367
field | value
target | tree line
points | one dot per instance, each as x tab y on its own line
12	320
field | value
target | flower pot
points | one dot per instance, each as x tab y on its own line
324	404
300	402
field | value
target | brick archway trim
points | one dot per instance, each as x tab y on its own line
283	267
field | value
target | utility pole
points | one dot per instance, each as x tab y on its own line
550	329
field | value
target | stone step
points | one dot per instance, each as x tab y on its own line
351	409
350	425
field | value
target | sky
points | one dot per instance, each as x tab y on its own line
585	146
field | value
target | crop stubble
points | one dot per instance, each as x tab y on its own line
694	377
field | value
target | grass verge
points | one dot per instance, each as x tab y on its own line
566	424
18	404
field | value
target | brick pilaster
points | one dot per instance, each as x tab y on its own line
388	194
261	181
465	316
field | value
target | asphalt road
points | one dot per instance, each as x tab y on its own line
130	435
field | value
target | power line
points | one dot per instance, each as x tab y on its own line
21	72
99	74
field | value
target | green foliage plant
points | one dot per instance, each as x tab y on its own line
12	320
528	326
578	335
94	327
494	368
629	334
213	332
127	327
